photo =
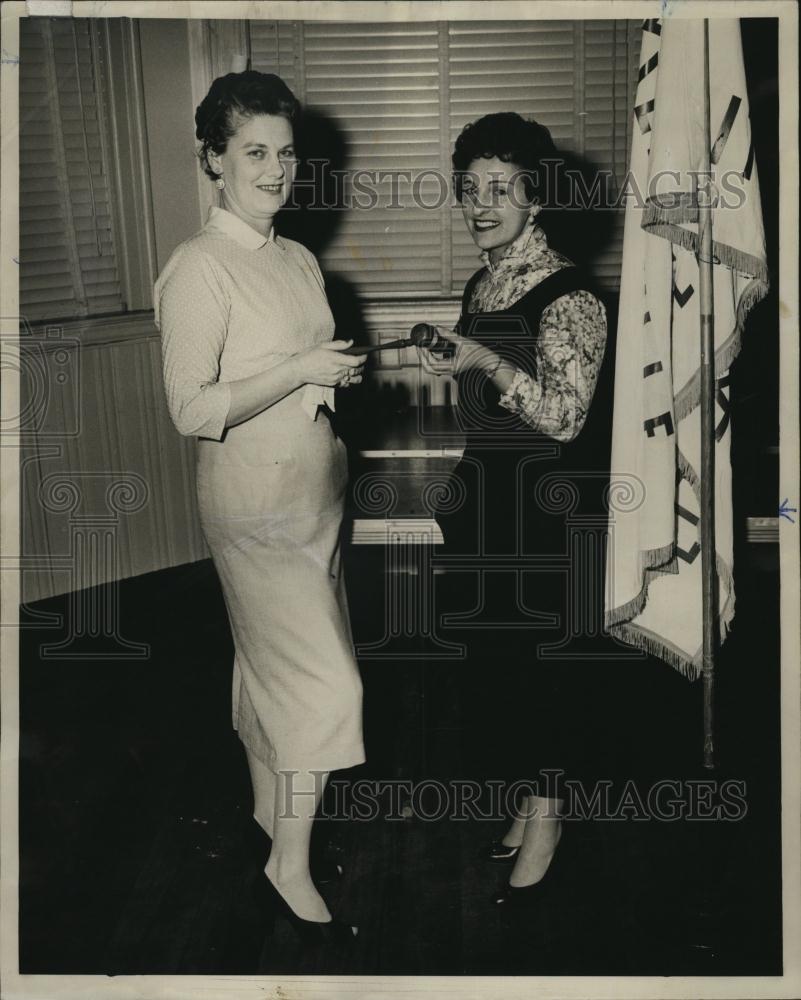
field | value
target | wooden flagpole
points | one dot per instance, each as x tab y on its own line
707	405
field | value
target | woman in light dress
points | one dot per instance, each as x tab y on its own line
250	368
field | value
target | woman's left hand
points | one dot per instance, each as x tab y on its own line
468	353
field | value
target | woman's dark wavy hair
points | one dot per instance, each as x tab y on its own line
234	97
512	139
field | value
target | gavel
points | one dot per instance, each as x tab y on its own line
421	335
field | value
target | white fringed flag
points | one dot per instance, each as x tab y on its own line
653	587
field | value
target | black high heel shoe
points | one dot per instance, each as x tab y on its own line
499	853
312	933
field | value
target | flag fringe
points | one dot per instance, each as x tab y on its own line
617	622
688	472
652	644
650	561
727	613
669	223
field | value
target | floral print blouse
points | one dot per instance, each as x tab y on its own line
571	342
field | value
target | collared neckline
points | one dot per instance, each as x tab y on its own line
529	243
225	222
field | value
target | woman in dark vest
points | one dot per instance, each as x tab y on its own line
527	353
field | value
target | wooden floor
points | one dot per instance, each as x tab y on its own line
138	853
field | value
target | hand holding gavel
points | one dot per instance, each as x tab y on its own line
440	352
421	335
449	353
325	365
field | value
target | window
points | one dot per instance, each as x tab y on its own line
68	264
401	92
80	161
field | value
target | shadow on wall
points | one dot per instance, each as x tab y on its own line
314	218
579	231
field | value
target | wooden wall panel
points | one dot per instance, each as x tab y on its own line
105	462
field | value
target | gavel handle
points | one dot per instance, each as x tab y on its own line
423	335
372	348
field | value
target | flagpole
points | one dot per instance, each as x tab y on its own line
708	568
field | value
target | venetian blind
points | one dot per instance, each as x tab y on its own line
522	66
68	266
401	93
611	60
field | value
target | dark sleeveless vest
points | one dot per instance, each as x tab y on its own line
515	488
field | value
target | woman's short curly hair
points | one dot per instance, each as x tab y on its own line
512	139
233	98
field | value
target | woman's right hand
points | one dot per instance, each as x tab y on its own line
465	353
325	364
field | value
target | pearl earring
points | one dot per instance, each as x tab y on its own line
220	182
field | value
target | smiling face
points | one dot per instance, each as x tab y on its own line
495	205
258	167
